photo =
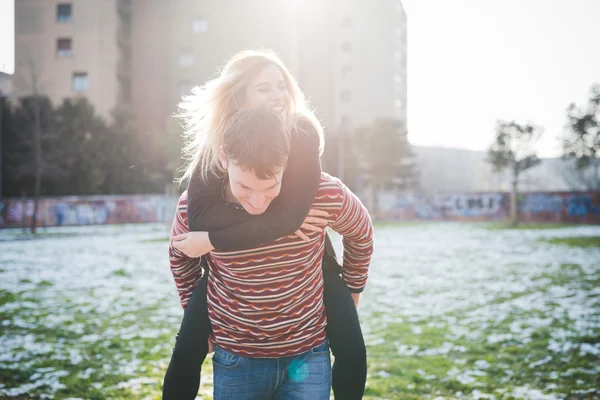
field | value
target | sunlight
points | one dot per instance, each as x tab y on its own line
7	36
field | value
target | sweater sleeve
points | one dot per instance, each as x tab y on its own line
354	224
233	229
186	271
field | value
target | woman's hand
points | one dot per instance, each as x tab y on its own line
193	244
312	222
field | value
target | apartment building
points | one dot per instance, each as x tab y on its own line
74	48
349	56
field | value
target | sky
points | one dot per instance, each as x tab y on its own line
472	62
7	39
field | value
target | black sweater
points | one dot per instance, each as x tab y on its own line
234	229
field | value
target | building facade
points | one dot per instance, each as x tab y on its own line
349	56
75	48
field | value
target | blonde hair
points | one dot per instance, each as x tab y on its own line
204	114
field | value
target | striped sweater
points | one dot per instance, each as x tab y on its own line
268	301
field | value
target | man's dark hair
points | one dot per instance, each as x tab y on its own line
257	140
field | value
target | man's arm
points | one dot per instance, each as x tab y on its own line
231	229
354	224
186	271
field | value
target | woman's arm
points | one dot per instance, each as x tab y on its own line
233	229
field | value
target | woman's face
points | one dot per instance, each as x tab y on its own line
268	89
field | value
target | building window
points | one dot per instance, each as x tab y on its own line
63	47
345	122
345	70
345	95
398	78
346	22
346	47
397	55
80	82
398	103
64	12
185	88
199	26
186	60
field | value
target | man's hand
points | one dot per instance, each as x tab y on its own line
311	223
355	297
211	347
193	244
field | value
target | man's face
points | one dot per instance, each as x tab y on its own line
252	193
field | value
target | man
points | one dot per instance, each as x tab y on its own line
266	304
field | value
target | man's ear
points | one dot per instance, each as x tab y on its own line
223	158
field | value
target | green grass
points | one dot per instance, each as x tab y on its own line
120	272
411	359
96	355
526	226
158	240
425	374
401	224
40	234
576	241
419	375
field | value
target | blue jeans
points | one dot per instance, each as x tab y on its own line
305	376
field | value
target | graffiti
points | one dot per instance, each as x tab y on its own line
572	208
532	207
88	211
472	205
457	207
541	202
93	213
582	206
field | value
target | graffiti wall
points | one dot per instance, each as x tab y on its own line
572	208
96	210
569	208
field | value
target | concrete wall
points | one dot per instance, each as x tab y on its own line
93	210
555	207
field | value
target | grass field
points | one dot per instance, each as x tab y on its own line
452	311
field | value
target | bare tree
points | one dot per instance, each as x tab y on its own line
581	140
384	158
514	149
37	128
579	179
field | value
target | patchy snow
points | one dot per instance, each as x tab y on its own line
92	285
527	393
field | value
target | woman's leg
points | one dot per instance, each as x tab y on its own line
182	379
346	341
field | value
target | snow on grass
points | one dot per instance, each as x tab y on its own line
451	311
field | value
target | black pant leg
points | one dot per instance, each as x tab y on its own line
349	373
182	379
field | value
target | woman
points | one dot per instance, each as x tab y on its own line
256	79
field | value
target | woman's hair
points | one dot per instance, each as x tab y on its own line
204	114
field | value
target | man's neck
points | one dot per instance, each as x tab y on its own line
228	194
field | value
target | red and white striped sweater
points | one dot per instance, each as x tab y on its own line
268	301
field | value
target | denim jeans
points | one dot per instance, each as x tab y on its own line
305	376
